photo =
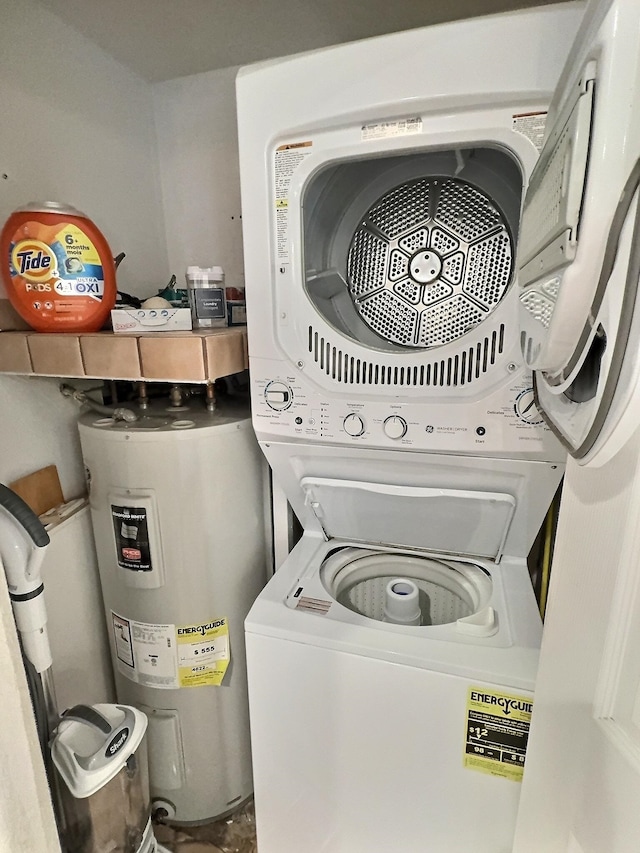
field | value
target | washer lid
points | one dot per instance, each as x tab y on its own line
442	521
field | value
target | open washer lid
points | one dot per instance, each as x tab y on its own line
441	521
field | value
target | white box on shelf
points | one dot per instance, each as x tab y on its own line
151	319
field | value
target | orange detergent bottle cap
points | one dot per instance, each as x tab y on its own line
57	268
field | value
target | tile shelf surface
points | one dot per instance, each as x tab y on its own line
198	356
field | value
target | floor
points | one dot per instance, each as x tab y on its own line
235	834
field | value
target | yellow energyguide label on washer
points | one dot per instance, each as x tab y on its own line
497	731
203	653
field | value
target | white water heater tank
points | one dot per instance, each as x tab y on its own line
177	510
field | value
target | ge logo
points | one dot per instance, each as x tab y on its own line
428	428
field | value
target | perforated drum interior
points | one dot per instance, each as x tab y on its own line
429	261
411	251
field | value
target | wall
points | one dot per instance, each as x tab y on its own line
26	818
38	428
198	149
77	127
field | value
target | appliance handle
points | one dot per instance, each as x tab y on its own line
24	515
606	269
90	717
21	559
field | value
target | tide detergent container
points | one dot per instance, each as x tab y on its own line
57	268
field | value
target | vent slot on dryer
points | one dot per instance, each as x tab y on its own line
456	370
411	253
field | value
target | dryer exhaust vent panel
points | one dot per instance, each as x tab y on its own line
429	261
469	364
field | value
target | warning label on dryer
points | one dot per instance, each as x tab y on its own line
497	731
286	160
530	125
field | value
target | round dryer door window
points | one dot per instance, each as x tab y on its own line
429	261
405	589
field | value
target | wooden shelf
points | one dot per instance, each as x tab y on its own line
197	357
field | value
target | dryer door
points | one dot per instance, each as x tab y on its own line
579	248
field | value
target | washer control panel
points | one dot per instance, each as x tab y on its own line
505	422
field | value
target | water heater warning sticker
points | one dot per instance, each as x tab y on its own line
146	652
123	640
497	732
169	656
131	530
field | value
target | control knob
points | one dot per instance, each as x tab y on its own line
278	396
525	407
353	425
395	427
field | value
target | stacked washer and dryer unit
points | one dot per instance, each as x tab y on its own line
382	186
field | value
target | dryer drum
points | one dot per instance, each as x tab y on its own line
429	261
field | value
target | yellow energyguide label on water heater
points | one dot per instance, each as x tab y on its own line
167	656
203	653
497	731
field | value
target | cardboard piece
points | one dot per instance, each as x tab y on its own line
40	490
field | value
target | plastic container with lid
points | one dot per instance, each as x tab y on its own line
57	268
207	298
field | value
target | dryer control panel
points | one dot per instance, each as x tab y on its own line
505	423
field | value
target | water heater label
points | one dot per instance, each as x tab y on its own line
497	732
169	656
203	653
146	652
131	529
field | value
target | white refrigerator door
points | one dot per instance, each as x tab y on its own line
579	251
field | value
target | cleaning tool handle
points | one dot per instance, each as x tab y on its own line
24	515
89	715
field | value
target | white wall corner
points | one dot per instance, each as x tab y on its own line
27	822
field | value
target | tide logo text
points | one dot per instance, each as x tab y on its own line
30	260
